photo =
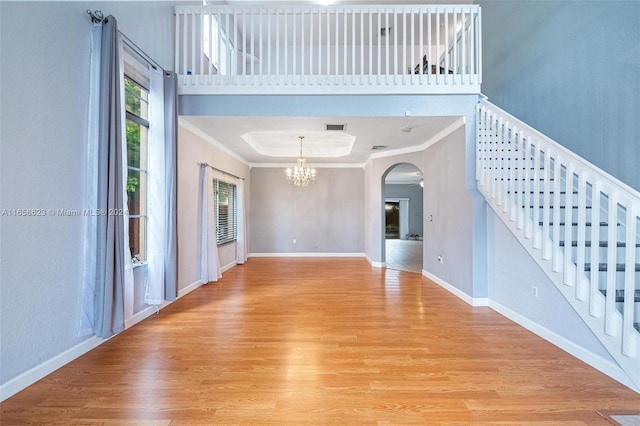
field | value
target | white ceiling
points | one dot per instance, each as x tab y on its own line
367	131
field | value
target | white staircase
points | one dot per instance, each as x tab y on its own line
581	225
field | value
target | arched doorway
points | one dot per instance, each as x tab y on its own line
402	196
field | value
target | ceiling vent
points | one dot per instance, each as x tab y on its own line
378	147
336	127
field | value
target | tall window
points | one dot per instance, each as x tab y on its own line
216	46
226	213
137	122
210	44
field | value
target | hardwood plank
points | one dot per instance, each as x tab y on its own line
321	341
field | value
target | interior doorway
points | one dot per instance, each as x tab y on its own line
403	218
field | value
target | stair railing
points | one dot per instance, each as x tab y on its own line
585	222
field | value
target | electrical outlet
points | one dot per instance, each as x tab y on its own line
534	291
294	241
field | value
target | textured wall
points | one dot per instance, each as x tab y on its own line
325	217
570	69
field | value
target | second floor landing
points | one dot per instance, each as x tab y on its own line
355	49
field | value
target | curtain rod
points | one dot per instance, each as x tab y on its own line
140	52
97	17
221	171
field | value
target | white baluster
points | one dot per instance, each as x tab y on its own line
546	204
535	217
337	47
581	240
594	276
177	55
446	45
519	180
568	221
194	43
527	190
612	243
429	47
370	46
438	53
278	43
632	212
499	166
345	47
294	50
269	73
353	45
244	46
261	42
478	44
513	175
557	196
362	72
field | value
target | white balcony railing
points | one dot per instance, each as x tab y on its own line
339	49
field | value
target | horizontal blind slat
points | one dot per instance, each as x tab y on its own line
226	211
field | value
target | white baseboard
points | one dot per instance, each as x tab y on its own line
225	268
605	366
473	301
29	377
375	264
307	254
40	371
188	289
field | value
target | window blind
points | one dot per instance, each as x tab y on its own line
226	213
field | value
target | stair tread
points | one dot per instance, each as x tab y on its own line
620	295
562	207
576	224
602	267
542	192
600	244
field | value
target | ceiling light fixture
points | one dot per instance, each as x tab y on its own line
301	175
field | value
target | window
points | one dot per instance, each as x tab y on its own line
137	124
211	33
216	47
226	213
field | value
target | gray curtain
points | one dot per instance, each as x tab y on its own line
109	290
171	138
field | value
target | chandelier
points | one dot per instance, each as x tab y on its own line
301	175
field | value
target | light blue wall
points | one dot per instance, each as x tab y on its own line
414	194
570	69
44	97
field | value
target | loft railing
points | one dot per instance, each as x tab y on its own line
333	49
581	225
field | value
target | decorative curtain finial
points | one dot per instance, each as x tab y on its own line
96	16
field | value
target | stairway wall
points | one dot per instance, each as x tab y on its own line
572	71
512	272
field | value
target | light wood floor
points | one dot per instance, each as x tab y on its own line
404	255
321	341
